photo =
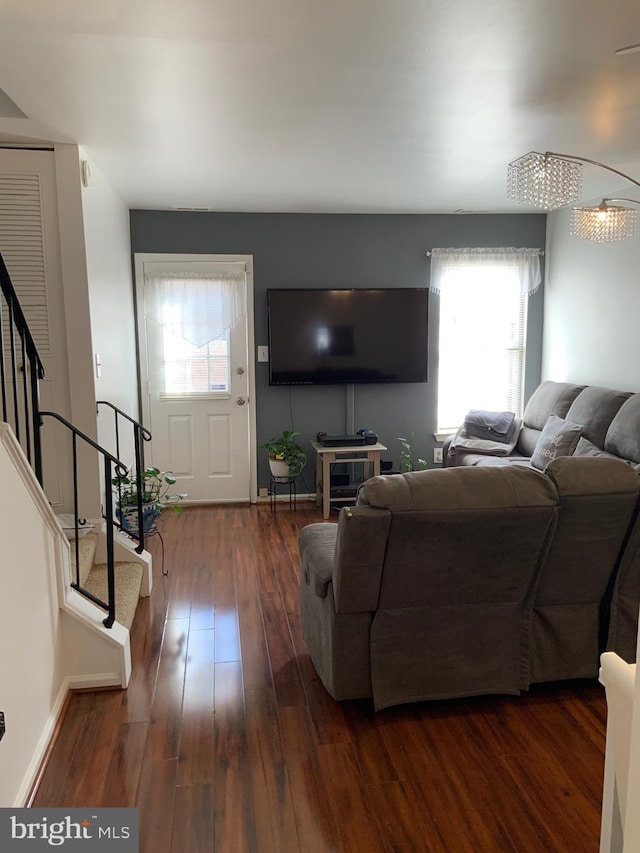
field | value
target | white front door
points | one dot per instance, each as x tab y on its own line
199	398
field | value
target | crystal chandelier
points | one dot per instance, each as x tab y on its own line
552	180
606	223
544	180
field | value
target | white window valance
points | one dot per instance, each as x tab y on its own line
197	305
522	264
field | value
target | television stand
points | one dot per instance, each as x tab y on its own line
367	454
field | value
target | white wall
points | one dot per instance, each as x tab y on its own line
591	310
108	253
30	676
53	640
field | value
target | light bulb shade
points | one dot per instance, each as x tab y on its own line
543	180
603	224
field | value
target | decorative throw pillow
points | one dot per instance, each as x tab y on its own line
558	438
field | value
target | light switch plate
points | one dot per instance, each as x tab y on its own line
263	353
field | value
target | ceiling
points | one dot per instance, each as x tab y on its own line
401	106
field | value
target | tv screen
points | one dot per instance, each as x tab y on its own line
326	337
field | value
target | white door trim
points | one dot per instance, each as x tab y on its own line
140	258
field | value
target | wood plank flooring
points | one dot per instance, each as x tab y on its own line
226	740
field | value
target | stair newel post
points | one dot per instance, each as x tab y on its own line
76	541
138	456
111	581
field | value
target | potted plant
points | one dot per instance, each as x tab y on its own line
155	498
286	457
406	455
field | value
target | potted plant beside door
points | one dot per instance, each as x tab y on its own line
155	498
286	457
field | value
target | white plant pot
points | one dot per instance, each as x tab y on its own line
279	467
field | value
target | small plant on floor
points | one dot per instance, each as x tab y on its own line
406	455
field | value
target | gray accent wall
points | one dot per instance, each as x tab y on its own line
592	307
344	250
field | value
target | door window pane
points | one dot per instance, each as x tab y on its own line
190	370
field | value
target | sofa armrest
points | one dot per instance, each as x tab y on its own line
317	544
319	576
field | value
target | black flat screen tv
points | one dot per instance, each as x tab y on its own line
327	337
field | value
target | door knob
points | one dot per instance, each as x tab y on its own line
241	401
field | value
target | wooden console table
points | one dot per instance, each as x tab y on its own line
368	454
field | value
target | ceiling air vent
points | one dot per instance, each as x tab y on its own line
195	209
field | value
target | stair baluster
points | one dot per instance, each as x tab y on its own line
140	435
112	466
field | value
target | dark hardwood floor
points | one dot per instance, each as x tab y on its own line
227	741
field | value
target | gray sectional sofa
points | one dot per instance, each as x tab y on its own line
477	578
610	420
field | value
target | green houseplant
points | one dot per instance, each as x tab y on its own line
406	455
286	457
155	493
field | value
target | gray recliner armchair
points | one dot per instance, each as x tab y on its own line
463	581
426	591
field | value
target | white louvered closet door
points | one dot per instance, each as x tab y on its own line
29	244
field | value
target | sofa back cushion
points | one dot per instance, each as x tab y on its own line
587	448
623	436
594	409
579	477
456	526
549	398
458	581
462	556
463	488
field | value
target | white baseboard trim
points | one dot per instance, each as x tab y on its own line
265	499
93	682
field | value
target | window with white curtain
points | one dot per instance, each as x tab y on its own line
482	338
194	305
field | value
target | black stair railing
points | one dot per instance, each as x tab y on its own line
140	435
20	372
111	466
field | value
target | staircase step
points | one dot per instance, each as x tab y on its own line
86	552
128	579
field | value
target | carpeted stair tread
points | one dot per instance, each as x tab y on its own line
86	552
128	578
